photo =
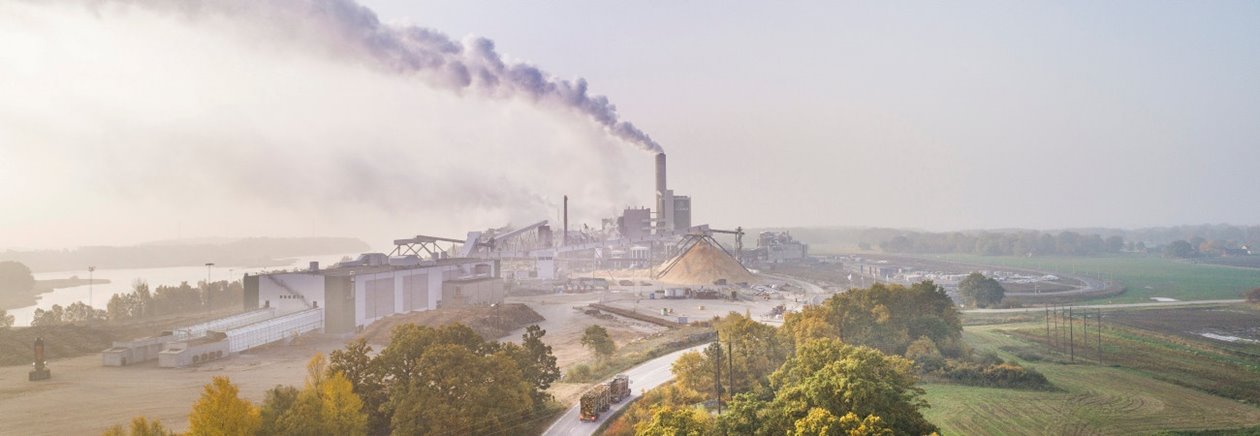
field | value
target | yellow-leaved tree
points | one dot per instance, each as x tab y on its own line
221	412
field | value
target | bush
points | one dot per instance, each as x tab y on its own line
998	375
1253	296
579	372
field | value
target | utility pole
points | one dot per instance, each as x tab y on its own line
1100	353
208	266
1085	331
1071	335
1047	324
717	378
91	282
1055	312
730	366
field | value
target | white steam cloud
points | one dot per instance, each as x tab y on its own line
133	120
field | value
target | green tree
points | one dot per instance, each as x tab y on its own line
536	362
15	277
366	376
221	412
460	392
278	401
743	415
52	316
980	291
1181	249
6	320
596	338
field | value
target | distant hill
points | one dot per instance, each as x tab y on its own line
236	252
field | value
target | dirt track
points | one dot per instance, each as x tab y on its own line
84	397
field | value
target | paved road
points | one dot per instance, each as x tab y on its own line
644	377
1111	306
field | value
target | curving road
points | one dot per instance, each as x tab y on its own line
644	377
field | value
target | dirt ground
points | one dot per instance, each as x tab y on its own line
84	397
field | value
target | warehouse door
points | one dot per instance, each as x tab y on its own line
416	292
380	298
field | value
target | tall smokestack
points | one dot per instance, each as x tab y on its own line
664	198
660	175
564	237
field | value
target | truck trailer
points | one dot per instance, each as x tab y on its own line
593	402
601	397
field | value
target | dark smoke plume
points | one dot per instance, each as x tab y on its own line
346	28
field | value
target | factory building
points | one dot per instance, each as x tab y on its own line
780	247
356	293
635	223
682	212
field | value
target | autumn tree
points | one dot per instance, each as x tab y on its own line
980	291
325	405
447	380
676	421
889	317
140	426
694	371
221	412
820	422
755	350
596	338
842	379
810	323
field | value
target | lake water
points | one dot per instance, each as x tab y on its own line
120	281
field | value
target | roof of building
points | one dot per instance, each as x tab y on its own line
351	270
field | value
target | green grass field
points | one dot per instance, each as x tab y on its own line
1092	400
1145	276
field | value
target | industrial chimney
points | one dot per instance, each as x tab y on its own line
664	199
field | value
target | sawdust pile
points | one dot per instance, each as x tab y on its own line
702	264
489	322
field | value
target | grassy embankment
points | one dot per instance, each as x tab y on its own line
1159	383
632	354
1145	276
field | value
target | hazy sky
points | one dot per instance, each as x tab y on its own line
121	124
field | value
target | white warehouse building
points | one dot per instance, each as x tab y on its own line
356	293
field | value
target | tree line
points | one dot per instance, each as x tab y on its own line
430	381
848	366
142	303
1066	243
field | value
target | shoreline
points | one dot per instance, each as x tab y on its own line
17	300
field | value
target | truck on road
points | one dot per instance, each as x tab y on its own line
600	398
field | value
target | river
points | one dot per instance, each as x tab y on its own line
121	280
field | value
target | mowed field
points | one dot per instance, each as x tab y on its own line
1092	399
1145	276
